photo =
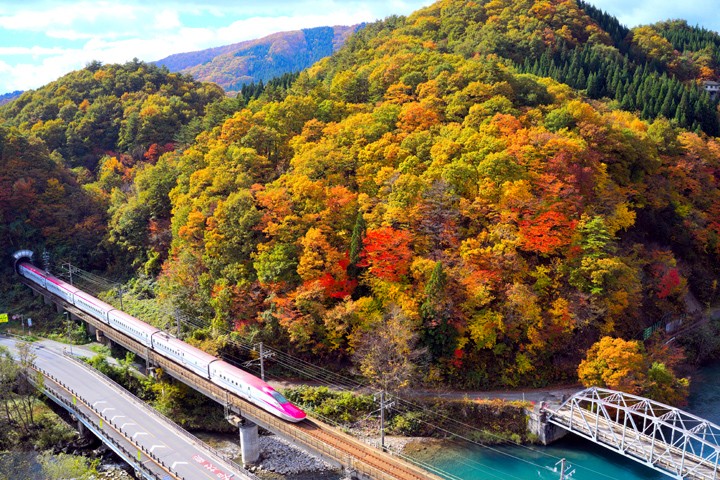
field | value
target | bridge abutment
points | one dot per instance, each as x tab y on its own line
538	425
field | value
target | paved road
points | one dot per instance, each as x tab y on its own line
188	457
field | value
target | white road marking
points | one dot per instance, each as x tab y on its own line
106	409
126	424
139	433
152	449
117	416
98	403
178	463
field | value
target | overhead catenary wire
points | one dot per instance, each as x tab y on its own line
98	285
357	385
435	426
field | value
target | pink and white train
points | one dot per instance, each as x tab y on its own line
217	371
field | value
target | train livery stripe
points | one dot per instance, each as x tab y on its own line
172	348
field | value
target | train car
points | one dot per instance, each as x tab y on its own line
61	289
93	306
32	273
219	372
254	390
132	327
188	356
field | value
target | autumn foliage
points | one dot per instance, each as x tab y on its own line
502	221
626	366
387	253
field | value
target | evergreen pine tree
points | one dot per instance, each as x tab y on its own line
439	334
667	109
581	80
682	111
356	241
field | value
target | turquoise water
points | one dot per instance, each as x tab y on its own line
589	461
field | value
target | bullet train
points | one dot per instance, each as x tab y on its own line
217	371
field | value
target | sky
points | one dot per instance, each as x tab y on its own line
41	40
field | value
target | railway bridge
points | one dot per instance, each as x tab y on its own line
664	438
359	460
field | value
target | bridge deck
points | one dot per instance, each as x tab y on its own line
141	436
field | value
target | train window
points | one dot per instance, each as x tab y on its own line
278	396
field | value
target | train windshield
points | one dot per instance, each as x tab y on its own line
280	399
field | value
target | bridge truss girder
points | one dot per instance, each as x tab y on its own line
662	437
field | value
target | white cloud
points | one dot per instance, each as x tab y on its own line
167	20
34	51
78	32
642	12
43	18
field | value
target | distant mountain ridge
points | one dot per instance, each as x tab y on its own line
233	66
9	97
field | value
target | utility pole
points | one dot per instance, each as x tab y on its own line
177	323
563	474
262	362
46	260
382	420
66	315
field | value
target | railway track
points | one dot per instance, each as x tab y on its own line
335	446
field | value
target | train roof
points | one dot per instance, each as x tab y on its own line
200	354
135	321
248	378
90	299
62	284
33	268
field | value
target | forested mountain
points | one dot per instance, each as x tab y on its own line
502	221
432	189
42	204
113	108
64	144
260	60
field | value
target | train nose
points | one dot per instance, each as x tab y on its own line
294	411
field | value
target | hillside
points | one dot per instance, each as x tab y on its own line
102	109
42	203
500	221
233	66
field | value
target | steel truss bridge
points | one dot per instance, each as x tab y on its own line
659	436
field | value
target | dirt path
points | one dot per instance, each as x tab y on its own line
550	394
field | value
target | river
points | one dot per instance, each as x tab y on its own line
589	461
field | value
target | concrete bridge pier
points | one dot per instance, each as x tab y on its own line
47	300
249	442
249	438
94	332
84	432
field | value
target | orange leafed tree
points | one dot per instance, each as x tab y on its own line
616	364
547	233
387	253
